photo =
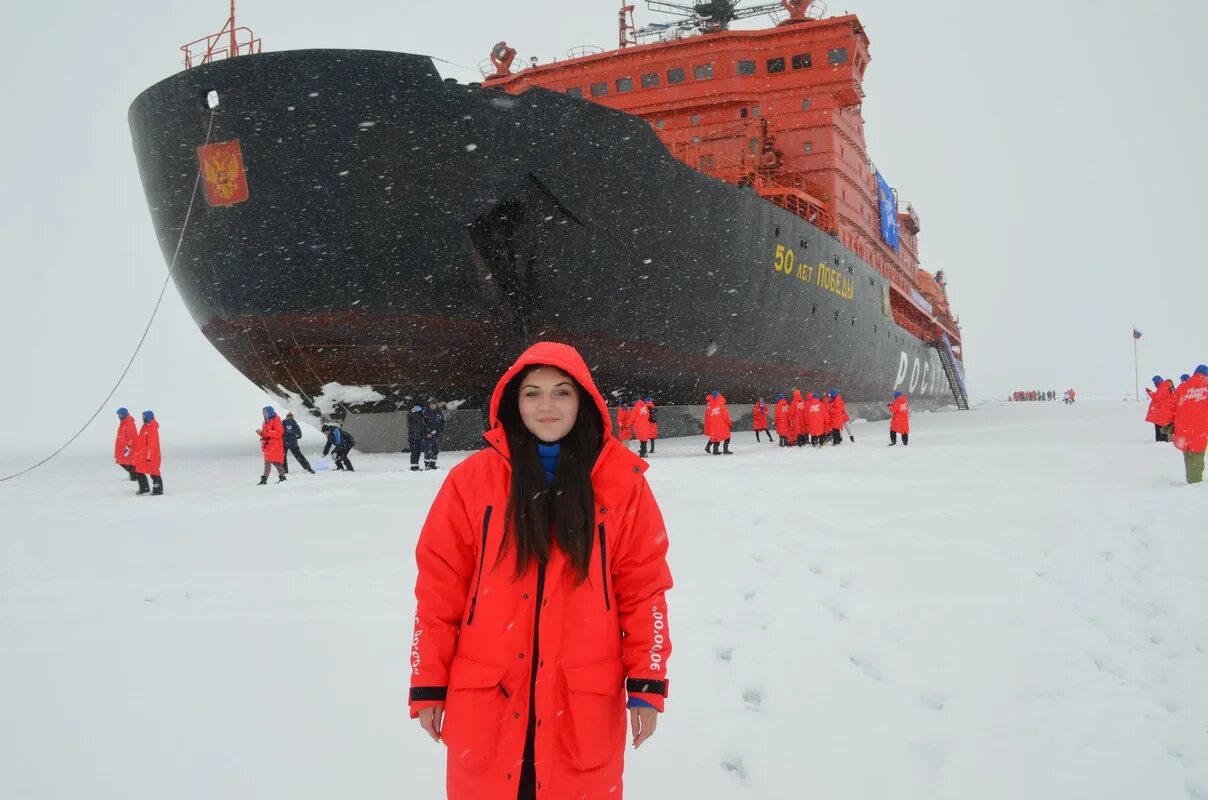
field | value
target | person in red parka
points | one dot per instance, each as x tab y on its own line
624	431
1191	423
123	443
759	419
798	418
719	425
146	456
272	445
900	421
784	420
839	418
541	612
653	417
815	420
1161	408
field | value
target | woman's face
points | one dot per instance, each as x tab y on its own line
549	403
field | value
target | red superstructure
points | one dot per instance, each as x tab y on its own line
777	109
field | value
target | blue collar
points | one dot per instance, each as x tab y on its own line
548	453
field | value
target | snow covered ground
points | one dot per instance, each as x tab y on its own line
1013	607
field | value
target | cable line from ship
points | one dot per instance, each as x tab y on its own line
147	329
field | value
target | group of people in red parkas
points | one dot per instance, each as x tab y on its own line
1180	416
1037	395
808	419
638	420
136	450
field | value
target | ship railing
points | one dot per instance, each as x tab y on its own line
584	50
224	44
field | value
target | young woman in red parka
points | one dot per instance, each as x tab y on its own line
719	425
123	443
542	574
900	421
146	456
815	419
1161	408
272	444
783	421
643	429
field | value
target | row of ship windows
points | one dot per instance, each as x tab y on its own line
704	72
743	113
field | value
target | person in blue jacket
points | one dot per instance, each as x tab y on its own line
292	432
415	434
341	442
434	428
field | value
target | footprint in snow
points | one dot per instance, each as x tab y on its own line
868	666
816	566
935	702
753	698
735	765
724	652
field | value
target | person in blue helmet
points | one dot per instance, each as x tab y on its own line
783	420
291	433
415	434
1161	408
899	423
652	423
434	428
147	457
341	442
1182	379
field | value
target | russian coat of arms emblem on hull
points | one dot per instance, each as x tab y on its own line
222	170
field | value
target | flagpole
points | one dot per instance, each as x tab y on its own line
1136	365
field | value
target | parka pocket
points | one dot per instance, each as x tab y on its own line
593	727
476	704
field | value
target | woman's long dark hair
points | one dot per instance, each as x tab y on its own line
567	505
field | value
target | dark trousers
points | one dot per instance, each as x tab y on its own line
129	470
893	438
431	450
342	462
763	430
837	436
292	447
157	481
801	437
642	450
416	449
268	468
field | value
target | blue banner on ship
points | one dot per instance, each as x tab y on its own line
888	203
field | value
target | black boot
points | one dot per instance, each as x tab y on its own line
415	467
158	485
715	448
726	451
905	439
429	465
263	480
281	478
708	447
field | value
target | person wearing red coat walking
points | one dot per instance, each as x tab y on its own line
624	429
654	423
798	418
815	420
719	425
759	419
900	421
643	429
784	420
123	443
839	418
146	456
1161	408
541	612
1191	423
272	444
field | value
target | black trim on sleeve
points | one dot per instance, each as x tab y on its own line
644	686
421	693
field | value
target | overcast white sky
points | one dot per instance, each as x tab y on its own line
1055	152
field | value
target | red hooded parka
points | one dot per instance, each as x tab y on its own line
643	430
900	423
271	442
838	415
624	431
815	416
123	444
798	414
784	421
145	453
759	416
719	423
1191	415
1161	404
472	649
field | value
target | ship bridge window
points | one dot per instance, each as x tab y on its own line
599	90
754	145
662	124
624	85
695	140
837	56
575	91
742	112
776	65
808	147
675	75
744	68
805	104
650	80
754	111
802	61
696	119
702	72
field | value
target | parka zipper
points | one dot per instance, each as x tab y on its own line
604	567
482	558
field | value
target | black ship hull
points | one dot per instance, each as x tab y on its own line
413	235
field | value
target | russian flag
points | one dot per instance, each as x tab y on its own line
1136	334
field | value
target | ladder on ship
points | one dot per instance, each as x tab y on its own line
955	382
